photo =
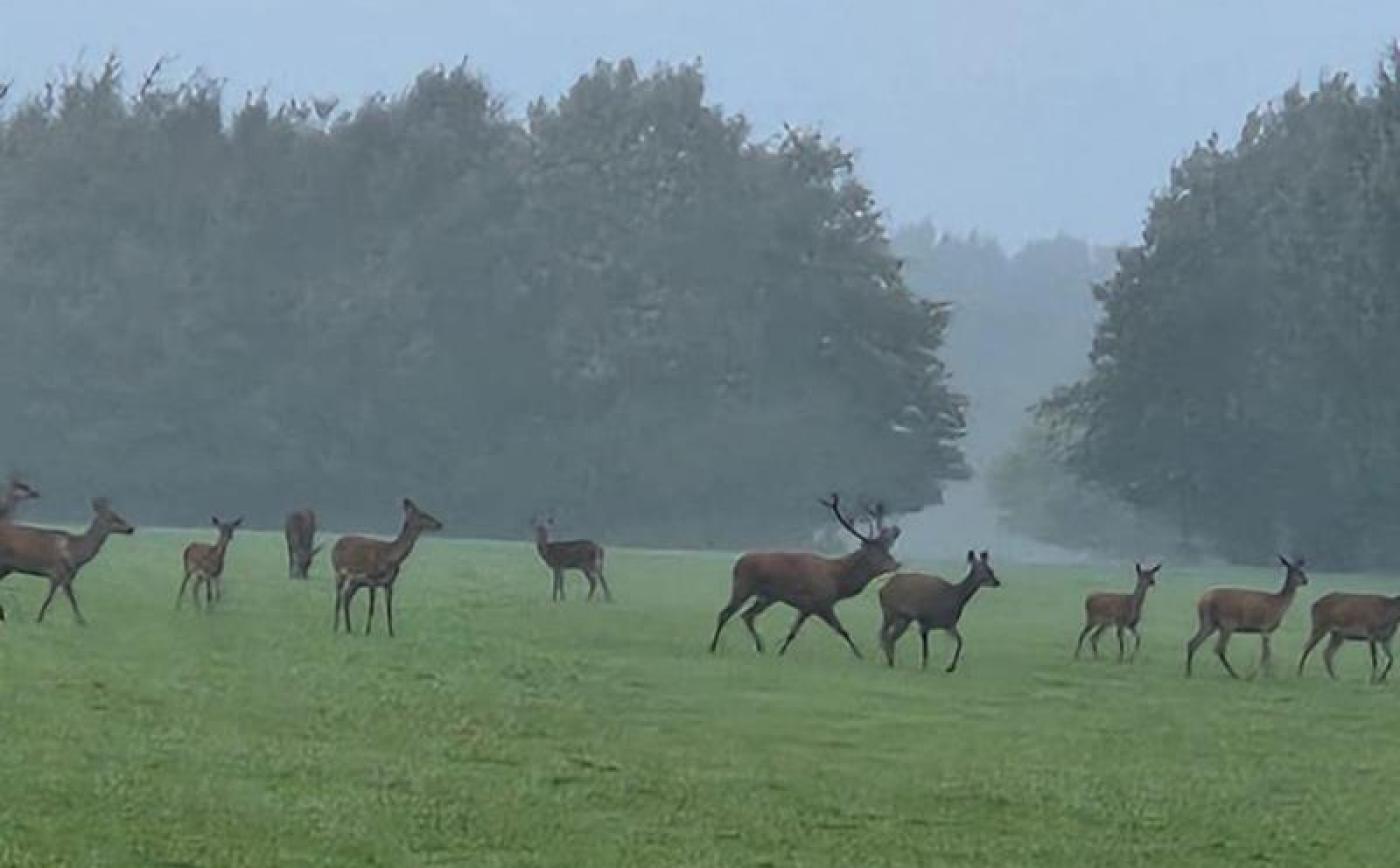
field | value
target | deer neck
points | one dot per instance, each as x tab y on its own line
855	574
221	545
86	545
1289	588
1139	595
402	544
541	541
966	589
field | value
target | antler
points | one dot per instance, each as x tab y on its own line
834	504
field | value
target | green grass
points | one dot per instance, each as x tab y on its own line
499	729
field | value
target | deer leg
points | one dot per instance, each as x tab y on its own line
1220	646
559	585
389	607
180	597
1202	633
1313	639
208	592
53	589
1330	651
73	602
957	652
893	630
1094	639
1389	659
735	601
923	644
1375	664
1119	630
1265	657
592	584
351	588
369	619
792	634
1137	643
1083	634
829	616
758	608
602	580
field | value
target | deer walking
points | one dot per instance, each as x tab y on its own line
1369	618
1228	611
300	530
1120	611
583	555
361	562
58	555
933	602
205	564
811	584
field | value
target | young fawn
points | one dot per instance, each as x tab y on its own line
583	555
1120	611
205	564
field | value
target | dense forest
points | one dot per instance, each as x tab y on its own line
621	308
1243	379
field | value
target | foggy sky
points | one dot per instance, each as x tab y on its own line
1014	117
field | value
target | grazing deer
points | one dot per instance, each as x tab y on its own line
16	492
300	530
205	564
361	562
1359	617
934	602
583	555
811	584
1121	611
1232	610
58	555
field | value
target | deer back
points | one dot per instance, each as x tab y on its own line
912	595
33	550
1355	615
572	554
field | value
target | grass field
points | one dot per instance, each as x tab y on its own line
498	729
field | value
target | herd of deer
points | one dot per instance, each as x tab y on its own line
810	584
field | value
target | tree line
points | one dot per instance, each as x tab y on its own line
621	307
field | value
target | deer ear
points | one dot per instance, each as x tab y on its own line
971	556
408	504
238	522
214	519
985	555
1299	563
1155	569
1283	560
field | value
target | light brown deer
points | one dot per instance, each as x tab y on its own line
1371	618
933	602
583	555
1232	610
811	584
300	530
1120	611
361	562
58	555
16	492
205	564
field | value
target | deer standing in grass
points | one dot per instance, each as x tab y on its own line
205	564
583	555
58	555
361	562
16	492
1120	611
300	530
1371	618
811	584
1228	611
933	602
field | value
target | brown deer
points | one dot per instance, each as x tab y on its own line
205	564
300	530
583	555
361	562
16	492
811	584
1121	611
58	555
1231	610
1359	617
932	601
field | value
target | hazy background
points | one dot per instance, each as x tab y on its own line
1012	145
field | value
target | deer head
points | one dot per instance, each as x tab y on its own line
417	519
108	519
980	570
875	548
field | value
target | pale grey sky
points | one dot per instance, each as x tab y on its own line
1014	117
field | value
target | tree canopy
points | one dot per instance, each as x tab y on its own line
1244	376
620	308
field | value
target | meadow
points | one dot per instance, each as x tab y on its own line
501	729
